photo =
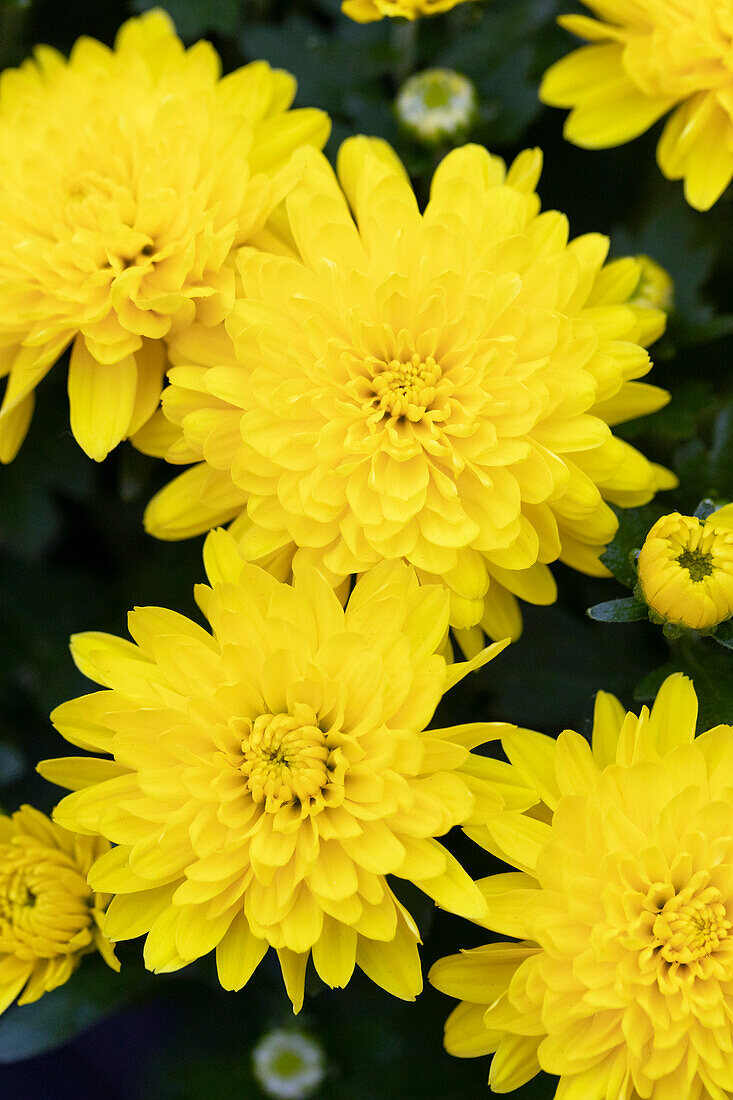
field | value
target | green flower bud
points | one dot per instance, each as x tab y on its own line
289	1064
437	106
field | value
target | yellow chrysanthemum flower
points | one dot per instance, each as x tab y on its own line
685	569
127	178
369	11
622	982
268	776
431	386
49	916
649	57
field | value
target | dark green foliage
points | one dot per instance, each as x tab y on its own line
628	610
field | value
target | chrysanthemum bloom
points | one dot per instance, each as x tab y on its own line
436	387
685	570
649	57
622	982
128	176
268	776
369	11
49	916
437	105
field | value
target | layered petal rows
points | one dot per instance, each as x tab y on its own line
128	177
645	59
261	781
621	977
437	387
49	916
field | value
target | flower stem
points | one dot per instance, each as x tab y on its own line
404	43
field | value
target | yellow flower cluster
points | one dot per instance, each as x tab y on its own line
267	777
406	415
621	977
49	916
647	58
436	387
127	179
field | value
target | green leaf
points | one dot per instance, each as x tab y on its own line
724	634
626	610
709	668
92	993
634	525
196	17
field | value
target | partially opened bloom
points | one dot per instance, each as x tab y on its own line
436	386
621	981
127	178
436	106
647	58
289	1064
49	917
685	569
269	775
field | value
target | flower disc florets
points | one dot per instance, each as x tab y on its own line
649	57
49	916
268	776
128	177
433	386
622	983
685	570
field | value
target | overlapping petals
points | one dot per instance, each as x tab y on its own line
437	387
263	780
621	981
49	917
128	177
647	58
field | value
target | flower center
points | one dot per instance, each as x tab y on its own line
404	388
284	760
688	928
697	563
15	897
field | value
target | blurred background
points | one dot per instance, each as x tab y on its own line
73	556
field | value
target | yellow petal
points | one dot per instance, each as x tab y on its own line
101	400
14	428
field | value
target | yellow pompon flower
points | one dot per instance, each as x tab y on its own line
49	916
436	386
685	570
370	11
647	58
127	179
268	776
622	980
